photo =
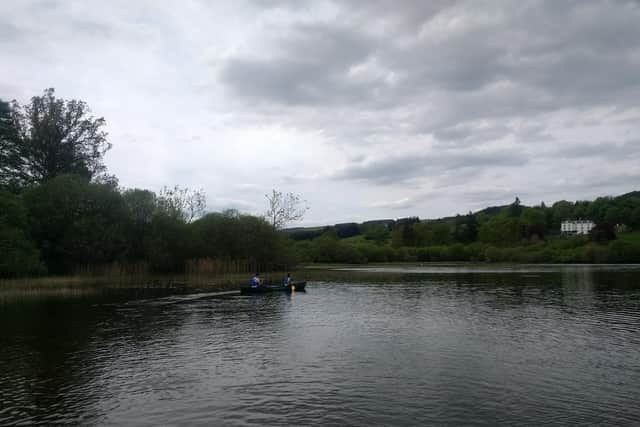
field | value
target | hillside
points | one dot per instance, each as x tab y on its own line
622	209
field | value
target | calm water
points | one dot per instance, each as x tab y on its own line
526	346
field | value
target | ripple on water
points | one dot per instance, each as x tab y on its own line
423	352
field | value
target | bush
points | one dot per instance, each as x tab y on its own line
623	251
18	253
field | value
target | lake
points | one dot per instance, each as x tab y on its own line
385	345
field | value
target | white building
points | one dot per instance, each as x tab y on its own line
576	226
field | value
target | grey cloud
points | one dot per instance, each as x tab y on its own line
310	66
408	14
385	171
617	181
471	132
401	204
447	179
366	79
408	202
608	150
405	168
547	55
497	196
8	31
220	204
586	186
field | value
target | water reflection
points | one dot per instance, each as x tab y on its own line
557	346
55	352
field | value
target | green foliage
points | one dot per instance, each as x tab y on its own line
502	230
167	244
76	223
18	254
510	234
561	211
181	203
564	249
603	232
141	209
466	228
63	213
534	221
328	248
514	210
347	230
73	224
231	235
51	137
378	233
621	251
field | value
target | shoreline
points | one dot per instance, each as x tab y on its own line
159	285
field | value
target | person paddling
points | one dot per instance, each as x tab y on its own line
255	281
287	280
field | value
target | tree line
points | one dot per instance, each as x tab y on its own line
512	233
61	212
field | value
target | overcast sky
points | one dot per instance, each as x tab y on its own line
368	109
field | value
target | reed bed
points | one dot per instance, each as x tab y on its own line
199	275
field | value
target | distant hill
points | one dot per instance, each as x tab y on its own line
631	195
350	229
492	210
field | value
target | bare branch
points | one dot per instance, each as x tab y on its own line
182	203
284	208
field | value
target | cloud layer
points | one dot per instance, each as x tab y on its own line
368	109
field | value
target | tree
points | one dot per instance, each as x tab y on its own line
50	137
441	233
10	159
346	230
603	232
615	215
501	230
231	235
466	228
408	234
18	253
634	218
284	208
141	208
76	223
515	209
534	221
379	233
182	203
561	211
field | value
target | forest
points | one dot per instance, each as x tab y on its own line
62	213
511	233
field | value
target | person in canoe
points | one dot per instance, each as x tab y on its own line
255	280
287	280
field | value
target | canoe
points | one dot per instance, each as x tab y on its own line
268	289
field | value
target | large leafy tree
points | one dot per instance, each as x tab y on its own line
76	223
49	137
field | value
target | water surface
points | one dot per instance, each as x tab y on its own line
500	346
